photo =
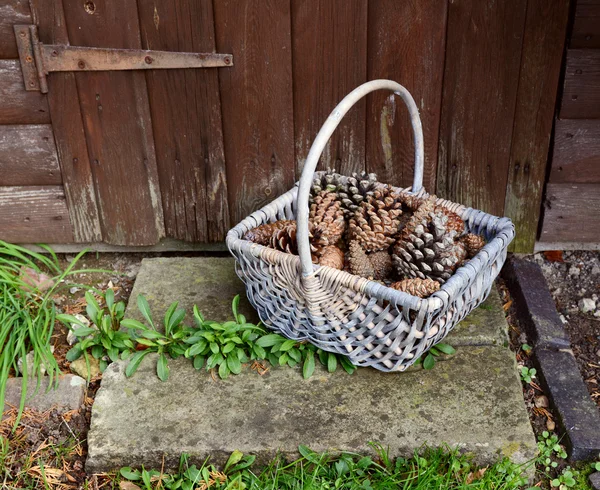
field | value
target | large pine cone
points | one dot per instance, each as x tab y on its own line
427	249
473	243
328	181
356	190
262	234
332	256
281	235
417	287
326	213
376	265
376	222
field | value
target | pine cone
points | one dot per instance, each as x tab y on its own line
328	181
382	264
417	287
455	222
262	234
427	249
473	243
358	262
326	213
333	257
356	190
376	221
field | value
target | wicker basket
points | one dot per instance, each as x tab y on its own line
339	312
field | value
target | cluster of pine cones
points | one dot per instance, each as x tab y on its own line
369	229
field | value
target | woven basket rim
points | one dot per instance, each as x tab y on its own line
438	300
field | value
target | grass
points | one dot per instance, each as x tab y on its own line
27	313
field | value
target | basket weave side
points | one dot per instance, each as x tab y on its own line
372	324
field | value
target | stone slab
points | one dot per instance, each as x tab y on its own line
69	395
473	401
595	480
211	283
577	413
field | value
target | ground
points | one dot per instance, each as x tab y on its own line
574	277
118	271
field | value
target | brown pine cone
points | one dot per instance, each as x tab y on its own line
333	257
327	214
262	234
417	287
376	221
358	262
473	243
382	264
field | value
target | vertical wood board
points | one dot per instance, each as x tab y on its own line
541	60
256	101
67	124
28	156
34	215
186	116
406	44
330	60
118	125
483	55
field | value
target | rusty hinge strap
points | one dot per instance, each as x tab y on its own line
37	59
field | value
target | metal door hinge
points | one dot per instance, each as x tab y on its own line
38	60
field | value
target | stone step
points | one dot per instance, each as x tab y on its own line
472	401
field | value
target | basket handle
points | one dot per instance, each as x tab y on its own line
321	140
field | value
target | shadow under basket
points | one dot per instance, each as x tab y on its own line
373	325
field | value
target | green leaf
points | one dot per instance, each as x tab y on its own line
309	454
162	367
196	349
102	364
135	361
235	456
198	362
152	335
259	351
309	365
429	361
287	345
176	319
83	331
283	359
223	370
113	354
133	324
198	316
234	364
228	347
234	307
97	351
127	472
147	342
214	347
69	319
347	364
269	340
74	353
109	298
331	362
446	348
144	308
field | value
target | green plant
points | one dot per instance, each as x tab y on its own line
103	340
565	480
221	346
596	466
440	469
527	374
526	348
27	313
436	351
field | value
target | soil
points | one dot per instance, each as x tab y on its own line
573	277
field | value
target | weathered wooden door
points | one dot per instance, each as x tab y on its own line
130	157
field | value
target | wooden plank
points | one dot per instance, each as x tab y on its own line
541	60
581	93
28	156
406	44
118	125
67	123
571	213
256	101
12	12
34	215
330	60
483	54
586	25
17	106
576	156
186	115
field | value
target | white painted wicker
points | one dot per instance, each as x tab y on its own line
339	312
